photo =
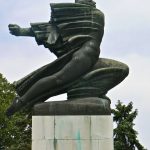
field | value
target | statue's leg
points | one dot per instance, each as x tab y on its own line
117	71
82	62
110	63
25	83
113	72
105	75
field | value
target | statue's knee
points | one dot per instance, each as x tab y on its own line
125	70
41	82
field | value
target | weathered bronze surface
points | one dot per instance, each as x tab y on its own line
79	106
74	34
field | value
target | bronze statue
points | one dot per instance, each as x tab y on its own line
74	34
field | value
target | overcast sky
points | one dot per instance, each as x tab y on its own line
127	36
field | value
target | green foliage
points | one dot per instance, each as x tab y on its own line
15	132
125	137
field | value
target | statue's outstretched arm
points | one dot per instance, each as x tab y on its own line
18	31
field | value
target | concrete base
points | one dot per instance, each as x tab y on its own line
72	133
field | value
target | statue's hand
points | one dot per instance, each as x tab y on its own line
14	29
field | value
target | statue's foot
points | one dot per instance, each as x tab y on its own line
15	106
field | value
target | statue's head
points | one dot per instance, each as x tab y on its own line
88	2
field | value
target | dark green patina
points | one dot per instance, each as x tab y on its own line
74	34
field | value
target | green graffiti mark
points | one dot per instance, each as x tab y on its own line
78	141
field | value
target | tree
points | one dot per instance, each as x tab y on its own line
15	132
125	137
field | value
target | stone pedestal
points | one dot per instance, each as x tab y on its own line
72	132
